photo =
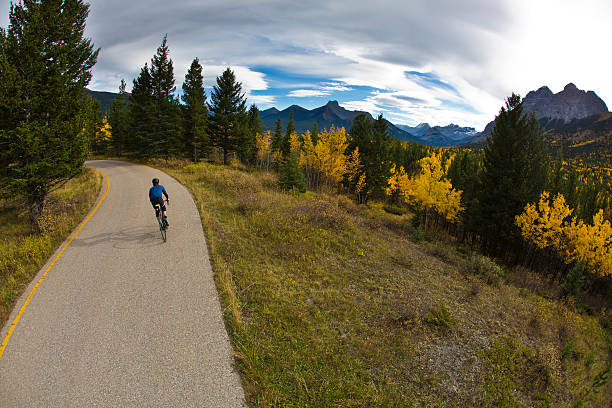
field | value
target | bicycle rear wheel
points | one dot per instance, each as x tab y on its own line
162	229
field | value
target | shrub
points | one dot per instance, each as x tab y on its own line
439	316
569	350
193	168
417	235
391	209
291	177
573	281
485	267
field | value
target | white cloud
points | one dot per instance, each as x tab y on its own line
335	87
261	99
306	93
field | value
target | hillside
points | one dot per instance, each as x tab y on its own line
329	303
588	139
105	98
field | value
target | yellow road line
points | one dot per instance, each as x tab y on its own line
10	331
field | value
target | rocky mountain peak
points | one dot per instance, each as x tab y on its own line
570	88
567	105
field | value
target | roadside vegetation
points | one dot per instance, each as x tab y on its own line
331	303
22	251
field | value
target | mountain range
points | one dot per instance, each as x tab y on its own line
571	117
325	116
450	135
334	114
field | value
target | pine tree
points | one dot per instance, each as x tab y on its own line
373	141
514	174
118	120
141	116
228	109
290	176
248	144
45	64
154	115
315	132
285	145
195	112
277	136
167	130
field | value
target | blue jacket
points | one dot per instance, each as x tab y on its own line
156	192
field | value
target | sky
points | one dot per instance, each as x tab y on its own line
414	61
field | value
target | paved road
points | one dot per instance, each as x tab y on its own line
122	319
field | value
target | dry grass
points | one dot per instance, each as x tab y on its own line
23	253
333	304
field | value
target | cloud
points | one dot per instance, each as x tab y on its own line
261	99
307	93
441	58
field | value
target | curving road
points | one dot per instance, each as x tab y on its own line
122	319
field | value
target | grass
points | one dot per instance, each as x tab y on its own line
22	253
328	303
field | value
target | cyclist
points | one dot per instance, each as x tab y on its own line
155	196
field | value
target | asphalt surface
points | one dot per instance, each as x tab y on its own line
123	319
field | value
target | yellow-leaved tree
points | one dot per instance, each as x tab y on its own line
295	144
544	224
548	226
324	161
264	150
592	243
355	174
308	161
429	189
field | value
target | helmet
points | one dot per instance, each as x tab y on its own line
155	181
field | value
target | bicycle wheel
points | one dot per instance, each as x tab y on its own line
162	229
163	233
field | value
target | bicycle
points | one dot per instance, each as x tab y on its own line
162	227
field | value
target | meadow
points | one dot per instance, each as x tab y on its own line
330	303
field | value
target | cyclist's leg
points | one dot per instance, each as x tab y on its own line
156	205
162	206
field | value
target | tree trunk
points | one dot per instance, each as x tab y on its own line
35	207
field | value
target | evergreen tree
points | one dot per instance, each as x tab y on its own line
154	115
45	64
118	120
374	143
286	145
93	118
514	174
315	133
141	116
277	136
196	112
228	109
290	176
167	132
248	146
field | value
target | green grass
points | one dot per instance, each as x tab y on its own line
331	304
23	253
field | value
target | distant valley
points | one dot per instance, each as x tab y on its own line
334	114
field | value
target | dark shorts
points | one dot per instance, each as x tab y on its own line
159	201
